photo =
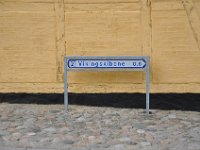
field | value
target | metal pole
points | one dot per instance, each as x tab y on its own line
65	85
147	85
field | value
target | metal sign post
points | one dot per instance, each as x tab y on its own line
140	63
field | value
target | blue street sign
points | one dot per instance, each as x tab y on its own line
106	63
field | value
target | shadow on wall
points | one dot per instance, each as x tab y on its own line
186	102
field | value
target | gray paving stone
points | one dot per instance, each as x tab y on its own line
95	128
11	148
40	149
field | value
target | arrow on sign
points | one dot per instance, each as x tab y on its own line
139	63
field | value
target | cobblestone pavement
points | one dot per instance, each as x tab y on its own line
40	127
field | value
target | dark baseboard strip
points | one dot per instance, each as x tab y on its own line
170	101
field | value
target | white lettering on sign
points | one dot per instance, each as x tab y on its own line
92	63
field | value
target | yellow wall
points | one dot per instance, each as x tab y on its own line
35	35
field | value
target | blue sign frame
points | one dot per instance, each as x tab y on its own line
108	60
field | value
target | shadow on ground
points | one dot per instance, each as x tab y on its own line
187	101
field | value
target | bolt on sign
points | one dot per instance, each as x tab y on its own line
136	63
